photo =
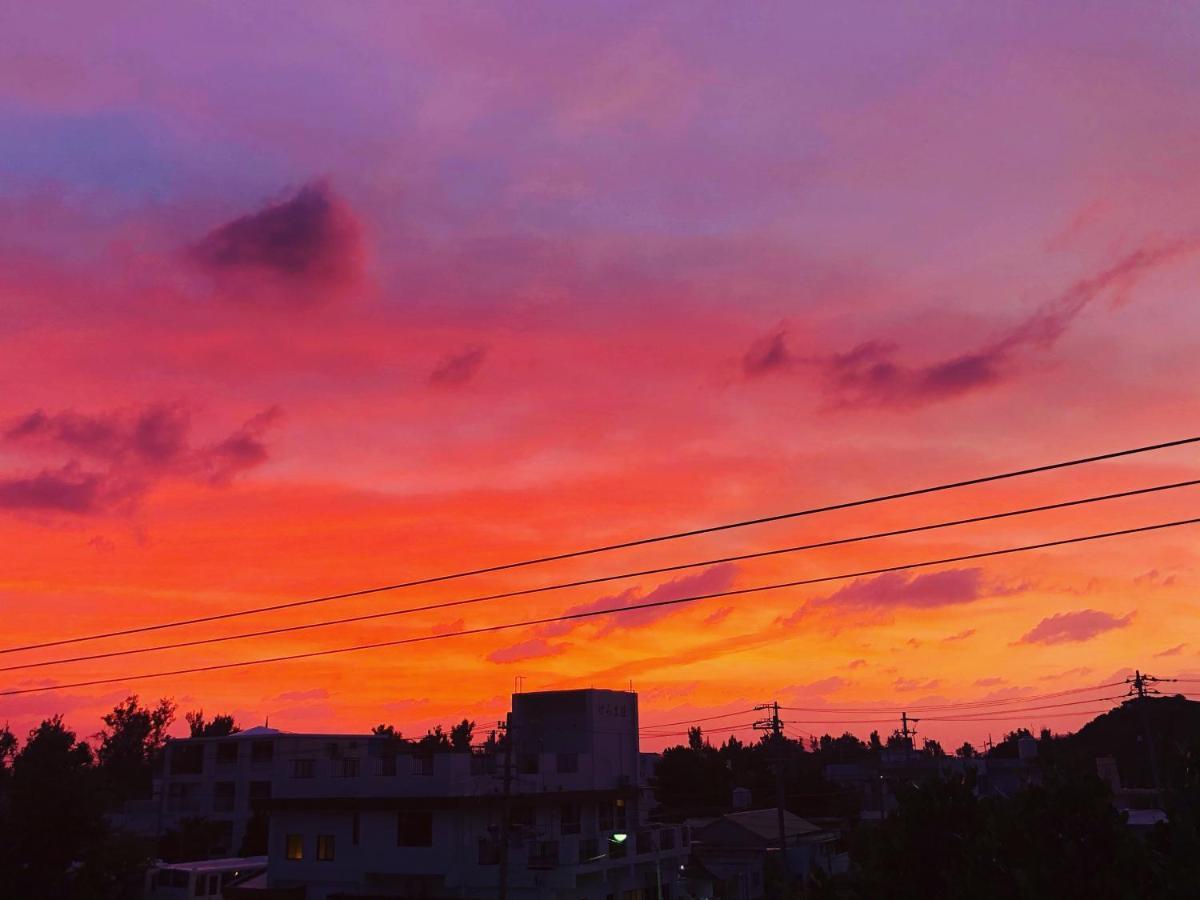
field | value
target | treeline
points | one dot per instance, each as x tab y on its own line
62	797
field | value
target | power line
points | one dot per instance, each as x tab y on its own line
994	701
740	712
285	629
965	716
639	542
587	614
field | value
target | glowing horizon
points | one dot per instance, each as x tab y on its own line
295	305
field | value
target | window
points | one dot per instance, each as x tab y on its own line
200	884
262	751
294	846
489	852
214	885
483	763
522	815
589	849
568	763
223	795
605	813
187	759
302	768
527	764
543	854
570	818
227	753
622	819
349	767
666	839
260	790
414	828
325	847
643	843
422	764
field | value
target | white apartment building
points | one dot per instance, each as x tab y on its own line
371	816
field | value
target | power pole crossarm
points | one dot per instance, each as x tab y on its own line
774	726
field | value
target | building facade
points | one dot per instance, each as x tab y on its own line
376	816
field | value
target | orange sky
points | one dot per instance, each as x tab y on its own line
278	325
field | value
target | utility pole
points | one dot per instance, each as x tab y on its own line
505	728
775	727
908	733
1139	686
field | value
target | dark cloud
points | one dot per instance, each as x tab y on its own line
128	452
458	369
1082	625
155	435
874	373
240	451
893	590
67	490
767	355
310	240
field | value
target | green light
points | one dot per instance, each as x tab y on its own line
619	838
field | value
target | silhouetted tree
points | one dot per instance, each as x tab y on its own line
217	726
435	739
695	738
254	841
932	747
966	751
388	730
461	734
130	745
53	814
195	838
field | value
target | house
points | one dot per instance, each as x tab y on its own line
737	850
368	817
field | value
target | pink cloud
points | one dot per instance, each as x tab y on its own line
990	681
959	636
535	648
1170	651
894	590
1082	625
915	684
719	616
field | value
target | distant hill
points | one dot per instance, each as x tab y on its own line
1174	725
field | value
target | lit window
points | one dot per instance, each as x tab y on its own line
295	846
325	847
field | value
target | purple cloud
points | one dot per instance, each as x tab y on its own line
991	681
309	238
871	374
297	696
130	450
856	664
959	636
458	369
893	590
535	648
66	490
767	355
1074	626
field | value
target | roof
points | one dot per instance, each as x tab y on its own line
765	823
230	862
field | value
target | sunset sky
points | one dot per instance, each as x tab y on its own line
300	299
